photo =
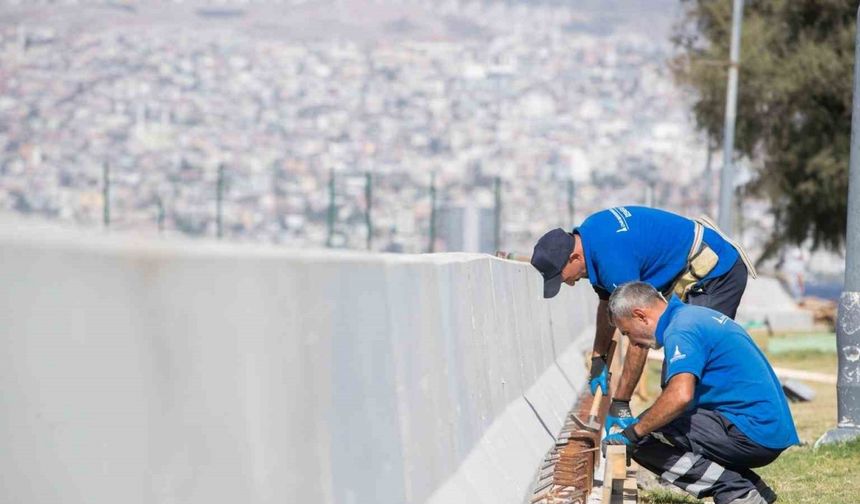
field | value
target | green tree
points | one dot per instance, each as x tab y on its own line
794	103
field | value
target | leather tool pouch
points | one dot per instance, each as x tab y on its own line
698	268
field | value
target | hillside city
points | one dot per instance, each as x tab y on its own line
518	92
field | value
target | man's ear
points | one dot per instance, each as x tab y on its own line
640	314
578	255
573	253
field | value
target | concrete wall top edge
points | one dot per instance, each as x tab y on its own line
36	233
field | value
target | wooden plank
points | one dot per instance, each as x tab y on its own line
619	481
615	471
642	387
617	364
630	492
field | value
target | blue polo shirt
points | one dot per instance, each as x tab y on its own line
734	377
625	244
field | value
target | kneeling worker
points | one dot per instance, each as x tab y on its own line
722	411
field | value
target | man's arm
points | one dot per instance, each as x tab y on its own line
604	330
634	363
599	376
619	409
672	402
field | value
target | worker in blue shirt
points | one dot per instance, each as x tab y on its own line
722	411
690	258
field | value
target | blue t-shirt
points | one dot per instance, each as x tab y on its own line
734	377
625	244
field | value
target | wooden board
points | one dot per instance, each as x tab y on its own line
619	481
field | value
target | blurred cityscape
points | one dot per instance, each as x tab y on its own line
534	94
566	104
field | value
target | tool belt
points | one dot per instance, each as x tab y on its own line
701	260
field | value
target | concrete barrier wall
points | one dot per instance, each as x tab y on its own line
145	372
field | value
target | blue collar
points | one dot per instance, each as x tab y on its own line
666	318
590	270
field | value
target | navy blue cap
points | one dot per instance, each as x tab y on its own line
550	256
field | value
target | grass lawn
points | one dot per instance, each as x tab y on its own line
829	475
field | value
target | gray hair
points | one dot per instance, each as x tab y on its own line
629	296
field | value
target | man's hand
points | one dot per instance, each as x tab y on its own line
619	415
627	437
599	375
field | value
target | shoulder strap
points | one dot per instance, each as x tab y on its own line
706	221
698	236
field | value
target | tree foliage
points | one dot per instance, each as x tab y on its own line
794	103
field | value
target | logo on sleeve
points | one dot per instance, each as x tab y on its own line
677	355
621	214
721	320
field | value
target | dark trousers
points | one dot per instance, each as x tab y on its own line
722	293
704	454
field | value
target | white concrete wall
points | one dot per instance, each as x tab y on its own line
145	372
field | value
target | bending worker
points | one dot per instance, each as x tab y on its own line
722	410
691	259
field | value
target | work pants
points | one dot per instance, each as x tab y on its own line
704	454
723	293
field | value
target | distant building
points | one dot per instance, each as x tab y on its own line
467	228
